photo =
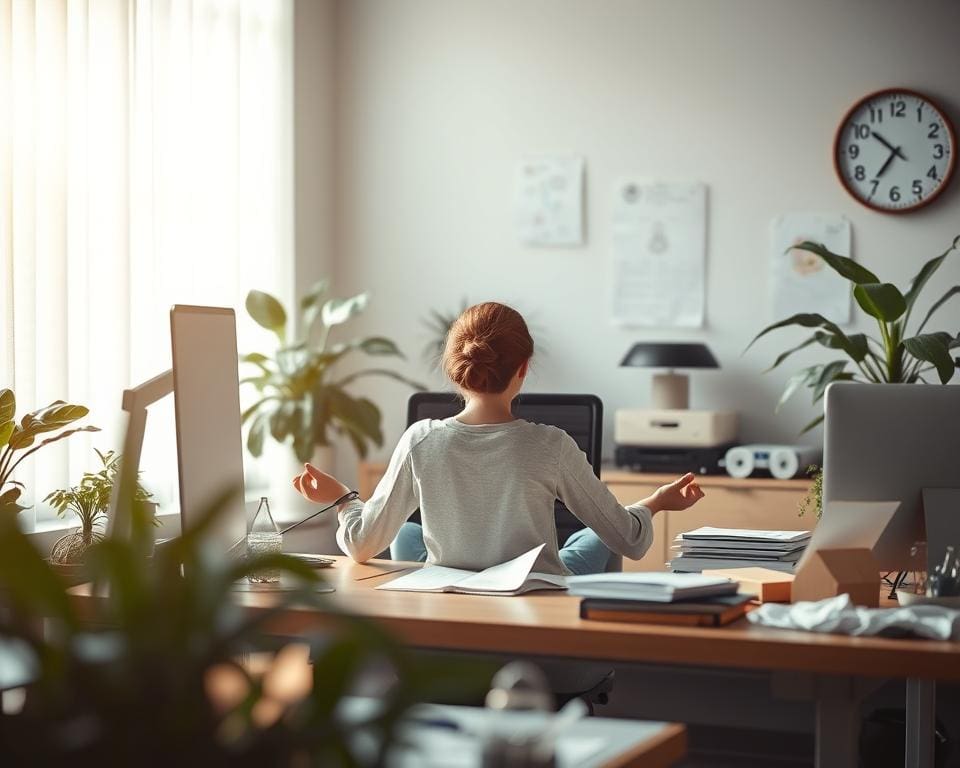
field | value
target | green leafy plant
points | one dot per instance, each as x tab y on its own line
23	437
148	671
301	395
813	499
896	355
438	324
89	501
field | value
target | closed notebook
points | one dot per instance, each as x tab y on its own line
661	587
713	612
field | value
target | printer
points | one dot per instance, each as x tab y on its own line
673	440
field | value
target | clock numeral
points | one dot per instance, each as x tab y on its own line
873	191
861	131
937	151
917	187
920	113
859	173
898	108
934	131
932	173
894	193
876	115
854	151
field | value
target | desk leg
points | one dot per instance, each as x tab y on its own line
837	723
921	723
837	712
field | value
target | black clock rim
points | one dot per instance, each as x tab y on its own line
951	132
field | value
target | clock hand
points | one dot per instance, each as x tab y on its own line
886	165
888	145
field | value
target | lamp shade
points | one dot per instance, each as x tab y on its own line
669	355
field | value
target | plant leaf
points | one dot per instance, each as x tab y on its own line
933	348
812	424
844	266
8	405
800	378
881	300
378	345
831	372
939	303
6	429
313	296
256	435
267	312
337	311
855	346
923	276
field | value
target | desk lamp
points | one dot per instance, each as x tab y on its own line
670	390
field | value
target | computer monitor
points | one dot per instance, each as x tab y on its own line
206	393
887	442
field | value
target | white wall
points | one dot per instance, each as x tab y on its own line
314	53
437	100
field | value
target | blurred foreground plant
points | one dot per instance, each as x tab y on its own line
150	673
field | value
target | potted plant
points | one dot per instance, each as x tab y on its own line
897	356
150	669
23	437
89	501
302	397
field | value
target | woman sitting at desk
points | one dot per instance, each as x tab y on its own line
484	481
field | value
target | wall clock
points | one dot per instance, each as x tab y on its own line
895	150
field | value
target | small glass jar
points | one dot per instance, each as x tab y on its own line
264	538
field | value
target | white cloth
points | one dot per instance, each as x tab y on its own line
837	615
486	495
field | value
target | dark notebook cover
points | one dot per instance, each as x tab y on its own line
703	611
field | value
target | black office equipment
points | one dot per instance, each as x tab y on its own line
580	416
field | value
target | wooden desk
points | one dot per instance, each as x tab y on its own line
627	744
833	667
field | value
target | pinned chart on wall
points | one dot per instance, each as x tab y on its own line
659	254
548	200
800	281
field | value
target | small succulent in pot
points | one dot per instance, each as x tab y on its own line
89	501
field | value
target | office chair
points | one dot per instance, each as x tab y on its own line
580	416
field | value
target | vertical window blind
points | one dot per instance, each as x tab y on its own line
145	160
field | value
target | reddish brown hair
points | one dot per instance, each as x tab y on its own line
485	347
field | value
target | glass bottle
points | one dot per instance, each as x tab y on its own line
264	538
944	579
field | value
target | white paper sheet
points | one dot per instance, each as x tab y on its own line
659	254
800	281
548	200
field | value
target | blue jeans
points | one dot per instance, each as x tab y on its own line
583	552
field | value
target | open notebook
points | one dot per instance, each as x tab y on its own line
513	577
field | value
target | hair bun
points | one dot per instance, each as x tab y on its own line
478	351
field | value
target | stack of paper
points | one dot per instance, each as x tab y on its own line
650	587
710	548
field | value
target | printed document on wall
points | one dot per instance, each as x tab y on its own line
659	254
548	200
800	281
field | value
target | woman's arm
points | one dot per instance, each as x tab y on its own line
367	529
628	531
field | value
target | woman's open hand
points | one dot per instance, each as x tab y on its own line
318	486
682	493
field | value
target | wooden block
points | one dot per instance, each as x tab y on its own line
830	572
768	585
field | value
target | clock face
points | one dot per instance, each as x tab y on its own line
895	151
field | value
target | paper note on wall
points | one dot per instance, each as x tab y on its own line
800	281
548	200
659	254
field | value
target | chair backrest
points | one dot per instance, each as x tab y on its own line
580	416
